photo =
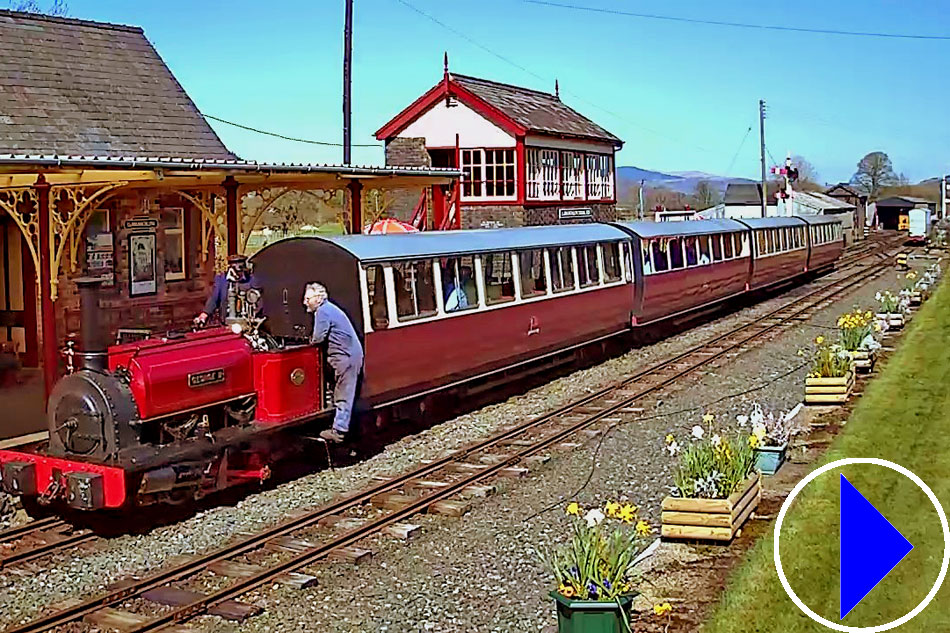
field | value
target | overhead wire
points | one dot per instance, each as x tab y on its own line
284	136
742	25
736	155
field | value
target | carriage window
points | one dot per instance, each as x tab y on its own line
659	256
739	240
587	266
785	245
704	250
562	269
611	253
499	278
458	284
533	282
690	246
675	249
645	251
627	260
415	289
716	247
727	245
376	288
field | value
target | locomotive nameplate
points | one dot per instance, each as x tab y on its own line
205	378
298	376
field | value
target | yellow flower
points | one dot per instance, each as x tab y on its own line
820	340
643	528
566	590
612	508
707	418
662	609
574	508
627	513
753	441
670	439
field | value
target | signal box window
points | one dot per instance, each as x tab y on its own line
562	269
376	290
499	278
533	281
415	289
458	284
587	266
611	252
660	259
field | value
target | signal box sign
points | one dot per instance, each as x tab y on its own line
576	213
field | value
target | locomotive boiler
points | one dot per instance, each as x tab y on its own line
168	419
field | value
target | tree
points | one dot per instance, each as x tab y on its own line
705	196
58	8
807	174
875	172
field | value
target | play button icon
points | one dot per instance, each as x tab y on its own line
870	547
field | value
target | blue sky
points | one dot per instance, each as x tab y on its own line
681	95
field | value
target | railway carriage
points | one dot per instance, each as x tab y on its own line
175	417
528	292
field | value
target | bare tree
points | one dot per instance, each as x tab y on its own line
807	174
58	8
875	172
706	195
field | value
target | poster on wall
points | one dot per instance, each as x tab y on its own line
142	269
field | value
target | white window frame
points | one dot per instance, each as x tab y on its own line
543	170
600	176
180	232
573	180
480	187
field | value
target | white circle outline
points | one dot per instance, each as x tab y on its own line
943	565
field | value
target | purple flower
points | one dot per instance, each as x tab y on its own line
606	584
575	572
592	591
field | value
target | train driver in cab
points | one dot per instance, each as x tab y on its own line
217	304
344	355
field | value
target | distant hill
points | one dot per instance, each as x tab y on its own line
682	181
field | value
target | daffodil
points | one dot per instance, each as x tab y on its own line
662	609
612	508
698	432
628	513
820	340
574	508
643	528
594	517
753	441
670	439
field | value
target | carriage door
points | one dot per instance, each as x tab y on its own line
18	328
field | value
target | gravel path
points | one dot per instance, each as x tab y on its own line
474	574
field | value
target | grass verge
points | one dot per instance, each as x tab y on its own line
904	417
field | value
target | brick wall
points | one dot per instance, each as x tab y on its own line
512	215
540	216
407	152
175	303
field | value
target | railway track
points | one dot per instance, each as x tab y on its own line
441	486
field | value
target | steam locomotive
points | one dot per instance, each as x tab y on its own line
173	418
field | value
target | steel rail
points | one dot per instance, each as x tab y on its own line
253	543
18	532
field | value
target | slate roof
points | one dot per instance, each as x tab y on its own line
74	87
748	193
539	112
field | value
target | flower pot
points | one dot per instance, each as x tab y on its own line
834	390
863	360
589	616
768	459
916	298
710	519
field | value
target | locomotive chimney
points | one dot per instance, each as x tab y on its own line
91	334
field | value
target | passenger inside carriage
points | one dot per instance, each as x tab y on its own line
458	286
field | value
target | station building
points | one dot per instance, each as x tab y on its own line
108	170
526	157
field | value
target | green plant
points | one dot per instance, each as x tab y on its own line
854	328
888	300
829	361
713	467
598	562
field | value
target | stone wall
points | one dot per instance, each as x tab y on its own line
512	215
407	152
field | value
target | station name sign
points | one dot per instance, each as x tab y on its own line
575	213
141	224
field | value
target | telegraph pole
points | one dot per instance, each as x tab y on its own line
347	81
765	188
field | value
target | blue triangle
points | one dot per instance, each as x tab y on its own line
870	547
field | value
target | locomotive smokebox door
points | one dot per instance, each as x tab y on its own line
84	491
19	478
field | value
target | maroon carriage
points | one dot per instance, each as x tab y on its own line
683	267
445	308
826	242
780	251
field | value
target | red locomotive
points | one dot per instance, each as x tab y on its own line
171	419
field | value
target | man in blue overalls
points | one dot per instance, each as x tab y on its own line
344	355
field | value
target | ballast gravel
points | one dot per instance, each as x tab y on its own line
474	574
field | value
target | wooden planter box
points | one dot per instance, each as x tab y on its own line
916	298
895	320
829	390
864	361
710	519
